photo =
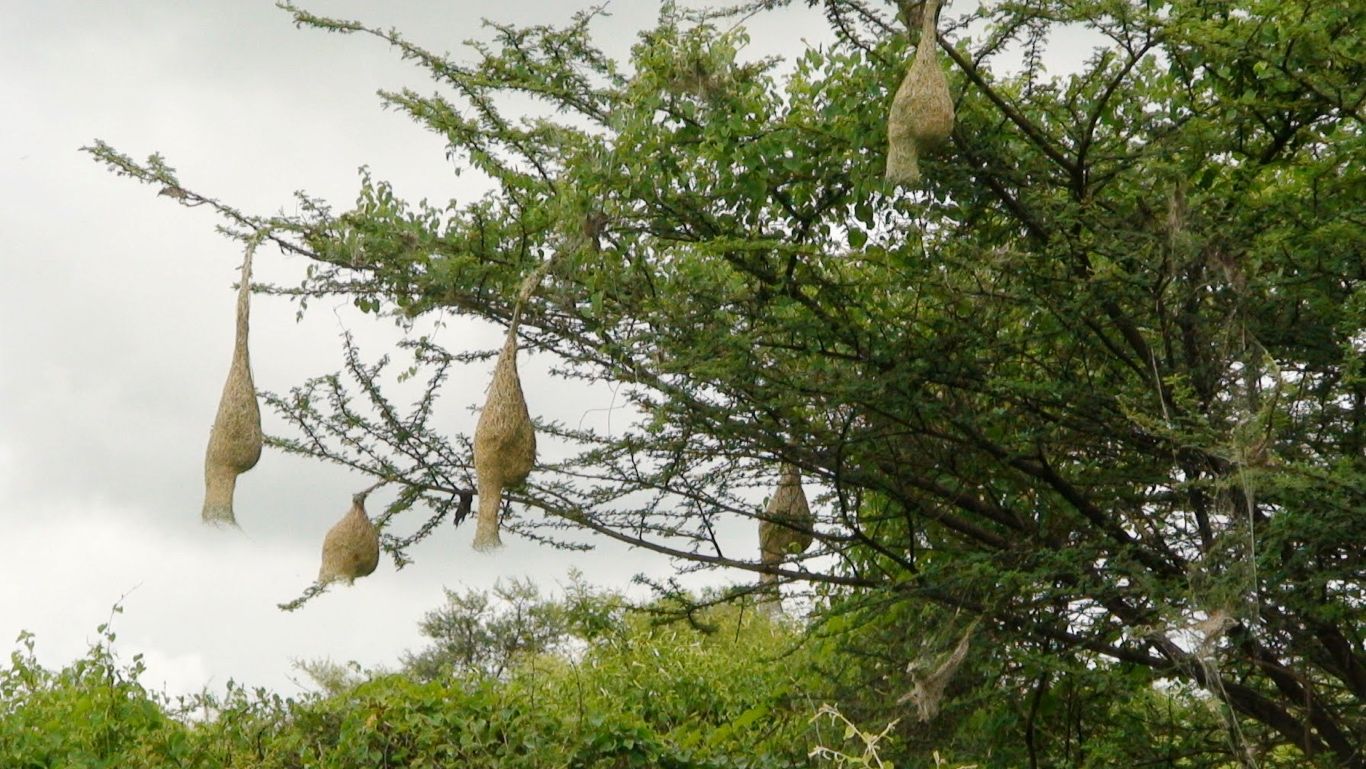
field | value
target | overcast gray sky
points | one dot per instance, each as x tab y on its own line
116	326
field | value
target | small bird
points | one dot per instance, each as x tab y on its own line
351	547
182	195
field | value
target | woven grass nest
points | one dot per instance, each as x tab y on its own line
235	439
929	683
785	529
351	547
504	443
921	114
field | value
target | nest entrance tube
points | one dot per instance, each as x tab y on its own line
505	438
235	439
351	547
921	114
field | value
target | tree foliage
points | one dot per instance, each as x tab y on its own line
489	631
638	687
645	695
86	714
1098	384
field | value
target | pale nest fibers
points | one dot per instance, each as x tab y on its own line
235	440
786	526
504	438
928	691
351	547
504	443
921	114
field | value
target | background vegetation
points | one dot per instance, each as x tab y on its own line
619	686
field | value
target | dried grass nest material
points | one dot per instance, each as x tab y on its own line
786	526
921	114
504	443
235	439
351	547
928	692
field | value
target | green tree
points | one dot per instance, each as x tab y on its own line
1098	385
1011	705
488	631
644	695
93	713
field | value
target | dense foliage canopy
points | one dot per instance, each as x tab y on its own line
637	695
623	687
1094	393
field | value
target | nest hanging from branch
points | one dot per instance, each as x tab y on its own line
504	438
351	547
921	114
928	692
504	443
786	528
235	440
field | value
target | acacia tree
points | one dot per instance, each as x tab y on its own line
1097	384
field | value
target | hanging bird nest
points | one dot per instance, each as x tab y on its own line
786	528
235	440
351	547
928	692
921	114
504	443
505	438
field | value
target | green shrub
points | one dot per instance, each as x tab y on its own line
93	713
634	694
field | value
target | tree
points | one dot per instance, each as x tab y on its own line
1098	384
646	695
481	631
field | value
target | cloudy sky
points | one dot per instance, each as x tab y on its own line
116	327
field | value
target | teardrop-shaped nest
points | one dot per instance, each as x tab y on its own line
351	547
504	443
235	440
920	117
787	525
